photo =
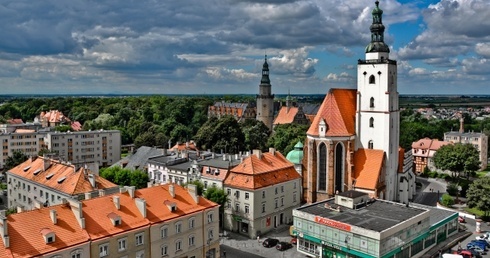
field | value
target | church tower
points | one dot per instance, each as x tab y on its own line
378	114
265	100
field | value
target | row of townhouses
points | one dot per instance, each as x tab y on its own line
158	221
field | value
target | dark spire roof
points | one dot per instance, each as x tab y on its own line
377	32
265	73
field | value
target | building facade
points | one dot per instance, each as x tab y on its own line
27	142
101	146
264	189
354	225
478	140
423	152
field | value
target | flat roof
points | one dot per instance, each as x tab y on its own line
377	216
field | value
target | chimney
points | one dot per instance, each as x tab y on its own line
47	163
4	233
101	192
236	156
91	179
149	184
20	209
88	196
76	207
116	201
171	190
272	151
141	204
257	153
52	214
131	190
192	189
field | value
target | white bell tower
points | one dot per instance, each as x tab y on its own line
378	114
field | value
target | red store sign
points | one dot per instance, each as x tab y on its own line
332	223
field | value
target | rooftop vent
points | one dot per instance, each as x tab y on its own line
49	176
61	180
37	172
27	168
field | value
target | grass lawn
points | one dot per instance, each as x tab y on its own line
474	211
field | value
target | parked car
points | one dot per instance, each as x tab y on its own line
270	242
461	219
483	238
294	241
281	246
483	243
472	253
476	248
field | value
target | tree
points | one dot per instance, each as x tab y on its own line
460	159
139	179
285	136
125	177
217	195
478	195
199	186
256	134
14	160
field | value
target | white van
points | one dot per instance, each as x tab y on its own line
452	256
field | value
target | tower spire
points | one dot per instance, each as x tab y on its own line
265	72
377	29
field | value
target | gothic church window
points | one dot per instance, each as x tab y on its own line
371	102
339	167
370	144
371	122
322	169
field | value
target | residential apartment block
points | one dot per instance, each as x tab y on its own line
478	140
42	181
159	221
102	146
263	190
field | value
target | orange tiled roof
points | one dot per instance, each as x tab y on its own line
54	116
221	176
24	230
183	146
156	196
285	116
255	173
310	117
76	126
15	121
339	112
75	182
368	164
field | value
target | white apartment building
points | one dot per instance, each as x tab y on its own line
263	191
478	140
101	146
40	181
28	142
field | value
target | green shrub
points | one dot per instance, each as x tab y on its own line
452	189
447	200
433	174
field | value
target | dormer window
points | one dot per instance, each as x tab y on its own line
115	219
172	206
48	235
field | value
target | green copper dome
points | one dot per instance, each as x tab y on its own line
296	155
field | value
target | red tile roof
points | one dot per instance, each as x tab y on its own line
54	116
76	126
255	173
184	146
74	183
429	144
339	112
368	164
156	196
285	115
25	232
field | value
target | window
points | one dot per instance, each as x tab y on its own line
275	190
164	231
164	250
370	144
371	122
263	194
322	168
103	250
282	189
205	184
139	239
178	227
263	207
371	102
237	207
237	194
191	223
228	191
191	240
178	245
121	244
76	254
210	217
372	80
210	234
277	203
294	197
282	201
247	209
246	196
294	185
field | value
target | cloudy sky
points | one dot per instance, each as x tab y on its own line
218	46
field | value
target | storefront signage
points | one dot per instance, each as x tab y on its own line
236	218
332	245
332	223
